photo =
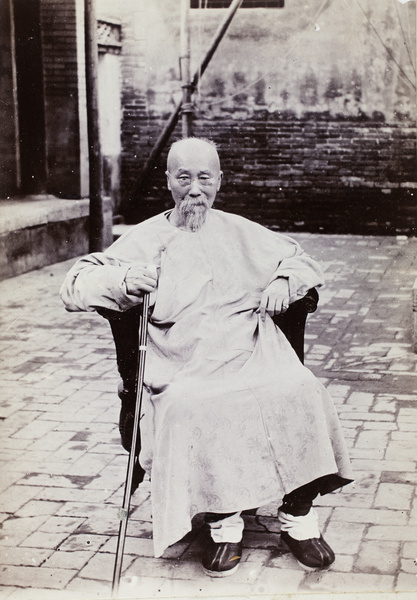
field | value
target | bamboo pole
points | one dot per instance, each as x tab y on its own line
124	511
185	60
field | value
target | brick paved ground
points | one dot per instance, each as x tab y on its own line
63	470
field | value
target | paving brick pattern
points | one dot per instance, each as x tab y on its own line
63	469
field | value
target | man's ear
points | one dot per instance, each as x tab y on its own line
220	180
168	183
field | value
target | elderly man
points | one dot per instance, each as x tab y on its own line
231	418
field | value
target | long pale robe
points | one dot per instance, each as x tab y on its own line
231	419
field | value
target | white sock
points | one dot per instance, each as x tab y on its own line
229	529
305	527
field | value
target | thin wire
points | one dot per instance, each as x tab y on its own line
249	85
404	37
386	48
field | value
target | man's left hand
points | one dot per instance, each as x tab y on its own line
276	298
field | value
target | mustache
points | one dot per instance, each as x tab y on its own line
190	204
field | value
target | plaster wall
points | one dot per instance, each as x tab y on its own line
109	96
315	100
344	57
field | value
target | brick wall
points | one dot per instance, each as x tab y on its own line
313	113
61	83
313	174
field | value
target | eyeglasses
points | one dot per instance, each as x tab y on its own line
185	180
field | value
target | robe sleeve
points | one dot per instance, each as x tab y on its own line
97	281
301	271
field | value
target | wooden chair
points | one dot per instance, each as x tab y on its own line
125	326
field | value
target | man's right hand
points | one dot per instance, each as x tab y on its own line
141	279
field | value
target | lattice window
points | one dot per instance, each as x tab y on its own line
108	35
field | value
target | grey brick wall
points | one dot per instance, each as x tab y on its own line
316	173
61	85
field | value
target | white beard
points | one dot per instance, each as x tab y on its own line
193	213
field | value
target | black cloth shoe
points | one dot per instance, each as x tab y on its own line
221	560
314	553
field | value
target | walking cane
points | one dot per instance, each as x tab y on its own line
124	511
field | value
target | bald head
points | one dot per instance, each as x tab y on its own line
185	151
193	178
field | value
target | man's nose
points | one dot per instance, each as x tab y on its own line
195	188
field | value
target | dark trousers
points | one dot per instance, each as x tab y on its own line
298	502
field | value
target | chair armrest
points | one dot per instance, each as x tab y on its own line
125	328
292	322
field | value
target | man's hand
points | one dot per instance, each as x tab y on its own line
141	279
276	298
